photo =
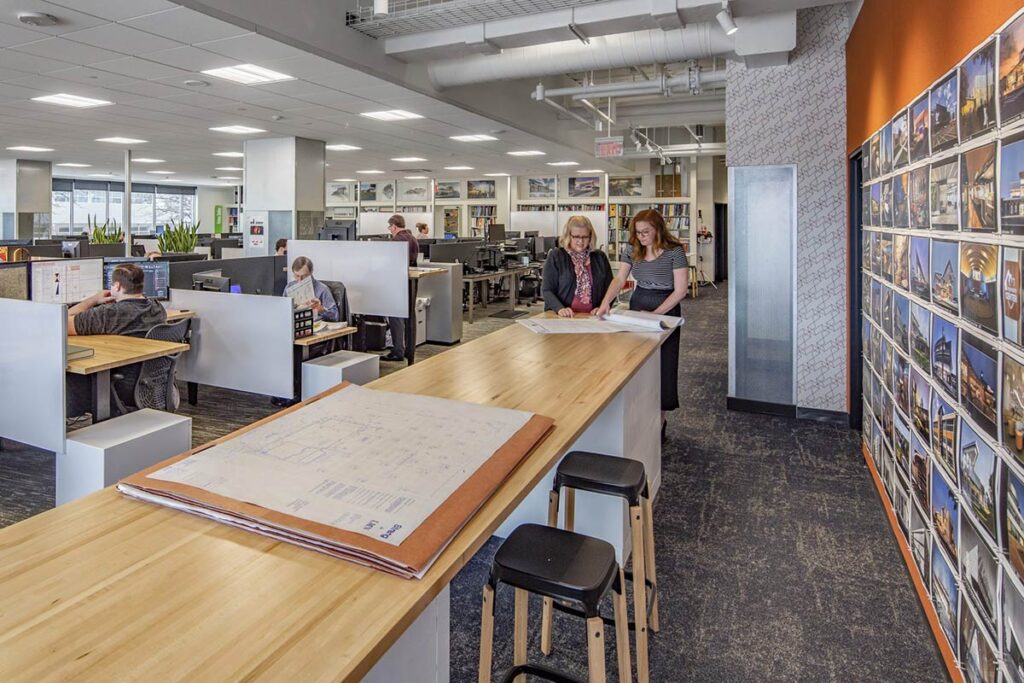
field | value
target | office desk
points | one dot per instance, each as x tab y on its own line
410	324
302	350
114	351
498	275
108	587
174	316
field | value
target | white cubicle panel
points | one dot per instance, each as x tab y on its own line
239	341
150	244
232	252
32	365
375	273
376	223
544	222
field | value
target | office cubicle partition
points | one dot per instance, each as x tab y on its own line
255	274
375	274
239	341
32	363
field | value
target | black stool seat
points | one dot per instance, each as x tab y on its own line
557	564
600	473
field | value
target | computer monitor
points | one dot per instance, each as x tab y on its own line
211	281
71	249
217	246
450	236
425	245
337	230
66	281
15	281
513	234
455	252
174	258
495	233
156	284
531	233
104	250
43	251
17	243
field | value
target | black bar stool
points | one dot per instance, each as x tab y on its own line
561	565
625	478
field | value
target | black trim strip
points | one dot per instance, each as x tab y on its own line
764	407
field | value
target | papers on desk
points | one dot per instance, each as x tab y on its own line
378	478
301	291
617	321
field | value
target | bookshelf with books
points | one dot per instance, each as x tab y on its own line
481	215
535	207
676	214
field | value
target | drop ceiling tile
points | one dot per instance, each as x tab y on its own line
67	51
89	76
185	26
296	88
68	19
116	10
124	39
199	99
271	100
11	59
251	48
190	58
337	100
146	90
14	35
137	67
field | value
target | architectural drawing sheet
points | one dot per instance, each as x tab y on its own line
370	462
618	321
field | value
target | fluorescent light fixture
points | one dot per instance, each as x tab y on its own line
343	180
496	175
725	19
563	163
341	148
228	177
458	168
391	115
477	137
415	177
248	74
527	153
232	155
589	170
72	101
237	130
102	175
161	172
407	159
73	164
29	148
369	172
147	160
229	168
121	141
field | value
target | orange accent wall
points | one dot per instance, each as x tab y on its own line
900	47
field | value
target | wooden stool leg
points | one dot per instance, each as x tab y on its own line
486	635
649	559
639	593
595	649
570	509
622	631
546	614
519	647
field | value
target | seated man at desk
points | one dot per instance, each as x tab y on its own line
124	310
324	304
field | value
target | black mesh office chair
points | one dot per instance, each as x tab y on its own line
344	312
154	387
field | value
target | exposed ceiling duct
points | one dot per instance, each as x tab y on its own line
694	82
604	52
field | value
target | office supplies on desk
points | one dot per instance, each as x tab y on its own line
381	479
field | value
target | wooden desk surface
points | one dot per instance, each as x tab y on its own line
417	273
325	335
174	315
111	588
114	351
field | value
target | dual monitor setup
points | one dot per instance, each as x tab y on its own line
68	281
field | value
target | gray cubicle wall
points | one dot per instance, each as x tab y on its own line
256	274
239	341
32	366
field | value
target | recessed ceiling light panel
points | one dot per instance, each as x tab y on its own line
527	153
479	137
229	168
72	101
407	159
228	177
29	148
563	163
248	74
121	141
161	172
391	115
73	164
496	175
231	155
369	172
343	180
237	130
341	148
458	168
147	160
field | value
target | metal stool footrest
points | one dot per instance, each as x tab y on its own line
609	621
539	670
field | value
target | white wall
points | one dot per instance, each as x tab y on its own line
796	114
209	197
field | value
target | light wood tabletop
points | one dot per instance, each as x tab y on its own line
325	335
174	315
417	273
107	587
114	351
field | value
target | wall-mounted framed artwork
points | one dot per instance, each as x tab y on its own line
541	188
978	92
1011	185
480	189
584	186
337	194
978	189
919	123
367	192
944	106
632	186
448	189
414	190
1011	71
901	140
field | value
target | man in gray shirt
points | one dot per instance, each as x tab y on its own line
123	309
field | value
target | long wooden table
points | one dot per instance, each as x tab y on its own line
109	588
113	351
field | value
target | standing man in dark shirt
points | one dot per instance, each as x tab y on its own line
123	309
396	226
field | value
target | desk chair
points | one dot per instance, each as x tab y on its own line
344	312
154	387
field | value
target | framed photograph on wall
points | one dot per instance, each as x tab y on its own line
945	594
367	192
919	137
944	356
920	268
337	194
920	342
632	186
1011	185
414	190
886	148
944	195
448	189
979	285
584	186
876	155
944	107
901	201
978	92
901	261
920	216
944	280
901	140
1011	402
1011	295
943	426
978	382
978	194
876	204
480	189
540	188
386	191
1011	71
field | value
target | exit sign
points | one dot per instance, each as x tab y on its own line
608	147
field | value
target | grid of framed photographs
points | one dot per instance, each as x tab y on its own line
943	344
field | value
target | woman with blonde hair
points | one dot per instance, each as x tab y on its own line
576	273
658	263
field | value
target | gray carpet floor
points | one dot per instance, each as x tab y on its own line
775	559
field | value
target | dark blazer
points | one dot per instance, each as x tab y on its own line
559	284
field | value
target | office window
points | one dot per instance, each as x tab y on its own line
89	203
188	209
142	212
168	208
115	200
61	219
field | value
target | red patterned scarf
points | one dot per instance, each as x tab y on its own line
580	261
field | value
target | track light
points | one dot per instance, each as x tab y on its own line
725	20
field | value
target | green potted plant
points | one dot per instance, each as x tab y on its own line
178	237
108	233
